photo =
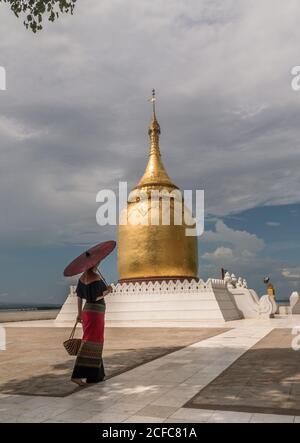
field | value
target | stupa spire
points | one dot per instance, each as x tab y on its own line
155	174
154	128
153	100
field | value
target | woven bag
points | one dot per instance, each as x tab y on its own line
72	345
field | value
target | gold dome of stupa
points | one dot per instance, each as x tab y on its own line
149	249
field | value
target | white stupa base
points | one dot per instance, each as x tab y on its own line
171	302
163	304
179	303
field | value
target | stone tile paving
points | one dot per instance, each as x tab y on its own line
265	379
36	363
130	396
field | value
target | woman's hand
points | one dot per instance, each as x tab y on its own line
79	319
107	290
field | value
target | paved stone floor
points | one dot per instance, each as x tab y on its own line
158	390
36	363
265	379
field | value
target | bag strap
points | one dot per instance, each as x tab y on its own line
73	330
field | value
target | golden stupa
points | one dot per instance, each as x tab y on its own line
155	251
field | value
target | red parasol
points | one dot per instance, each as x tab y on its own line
89	258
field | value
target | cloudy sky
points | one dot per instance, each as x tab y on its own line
74	118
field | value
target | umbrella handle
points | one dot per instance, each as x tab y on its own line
102	277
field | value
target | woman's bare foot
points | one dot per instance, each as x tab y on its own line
78	381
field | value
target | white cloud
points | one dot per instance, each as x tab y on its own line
220	253
14	129
239	240
291	273
234	249
273	224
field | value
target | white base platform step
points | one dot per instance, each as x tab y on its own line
160	303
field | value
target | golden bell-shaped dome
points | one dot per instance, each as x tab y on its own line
151	243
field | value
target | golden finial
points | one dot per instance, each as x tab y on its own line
154	128
153	100
155	174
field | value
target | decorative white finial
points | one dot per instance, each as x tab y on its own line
227	278
233	280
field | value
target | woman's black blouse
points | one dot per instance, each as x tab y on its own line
91	291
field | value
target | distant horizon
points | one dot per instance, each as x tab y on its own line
28	307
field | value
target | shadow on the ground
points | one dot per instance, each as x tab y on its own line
265	379
56	381
36	363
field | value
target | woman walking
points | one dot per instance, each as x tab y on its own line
91	288
89	364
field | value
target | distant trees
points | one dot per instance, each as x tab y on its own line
35	11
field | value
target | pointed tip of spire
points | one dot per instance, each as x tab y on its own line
155	174
153	100
154	125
